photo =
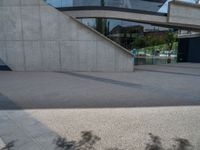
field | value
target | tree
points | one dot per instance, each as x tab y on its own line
170	39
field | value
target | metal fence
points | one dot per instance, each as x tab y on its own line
152	60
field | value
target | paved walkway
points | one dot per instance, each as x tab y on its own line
105	103
148	86
123	128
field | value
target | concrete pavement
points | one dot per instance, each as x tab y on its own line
105	103
148	86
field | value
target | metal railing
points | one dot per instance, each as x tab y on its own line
153	60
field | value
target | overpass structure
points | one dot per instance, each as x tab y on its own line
181	15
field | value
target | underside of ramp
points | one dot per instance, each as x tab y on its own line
37	37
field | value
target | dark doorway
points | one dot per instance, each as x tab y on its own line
189	50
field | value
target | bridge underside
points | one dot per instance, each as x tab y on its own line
177	16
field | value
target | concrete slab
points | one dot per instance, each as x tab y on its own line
25	132
15	55
33	54
87	57
13	23
105	57
50	55
69	55
50	23
3	51
29	15
148	86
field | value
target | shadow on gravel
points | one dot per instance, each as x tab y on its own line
88	141
155	143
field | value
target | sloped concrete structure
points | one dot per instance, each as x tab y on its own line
37	37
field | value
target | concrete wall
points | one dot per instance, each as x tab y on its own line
37	37
1	63
185	14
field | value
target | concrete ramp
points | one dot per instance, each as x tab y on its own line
37	37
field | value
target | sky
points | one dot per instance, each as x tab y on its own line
58	3
164	8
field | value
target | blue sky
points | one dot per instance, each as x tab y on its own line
165	6
70	3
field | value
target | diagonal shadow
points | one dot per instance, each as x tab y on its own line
109	100
169	72
131	85
105	80
20	131
7	104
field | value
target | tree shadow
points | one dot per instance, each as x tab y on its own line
88	141
155	143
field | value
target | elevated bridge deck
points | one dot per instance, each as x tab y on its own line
180	15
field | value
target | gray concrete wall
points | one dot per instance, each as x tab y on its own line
184	14
1	63
37	37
